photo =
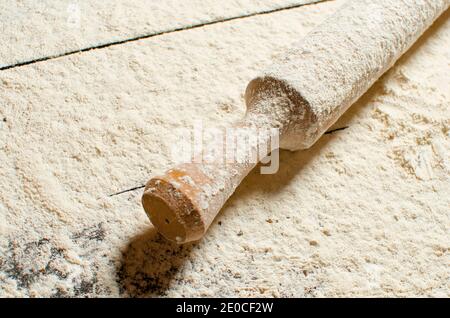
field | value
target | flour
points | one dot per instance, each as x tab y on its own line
51	28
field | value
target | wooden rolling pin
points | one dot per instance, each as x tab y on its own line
302	94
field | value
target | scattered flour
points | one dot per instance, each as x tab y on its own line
364	212
48	28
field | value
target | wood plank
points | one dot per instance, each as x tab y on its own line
33	30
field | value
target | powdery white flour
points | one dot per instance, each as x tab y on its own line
364	212
37	29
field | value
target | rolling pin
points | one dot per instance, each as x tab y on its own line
302	94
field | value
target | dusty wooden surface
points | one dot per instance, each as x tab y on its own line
363	212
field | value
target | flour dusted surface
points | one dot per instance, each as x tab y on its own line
365	212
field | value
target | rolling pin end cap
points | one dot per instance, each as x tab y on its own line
172	211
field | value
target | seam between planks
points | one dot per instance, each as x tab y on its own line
151	35
143	185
